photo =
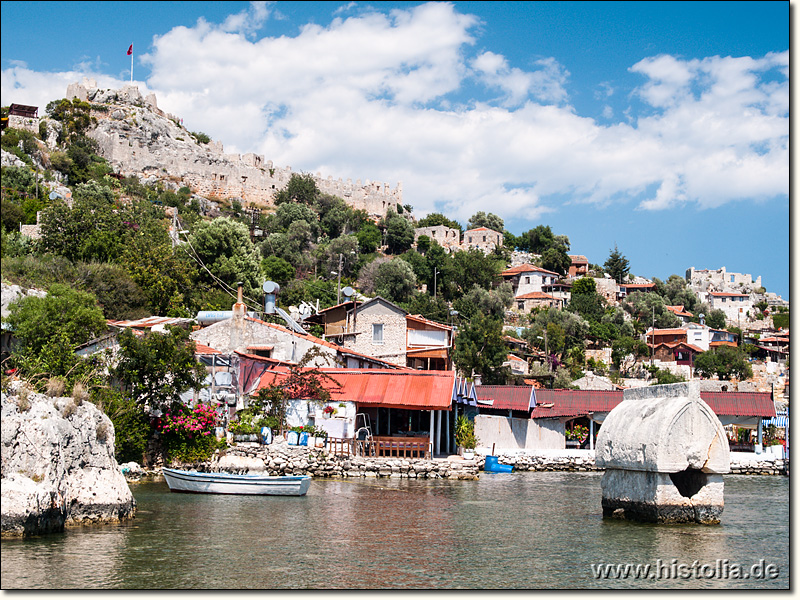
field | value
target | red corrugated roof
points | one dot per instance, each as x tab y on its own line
575	403
526	268
415	390
505	397
743	404
424	321
728	294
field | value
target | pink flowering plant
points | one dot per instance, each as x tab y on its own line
188	433
190	422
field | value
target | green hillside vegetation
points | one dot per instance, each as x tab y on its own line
113	246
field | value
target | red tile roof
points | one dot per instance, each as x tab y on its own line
505	397
727	294
203	349
535	296
424	321
526	268
409	389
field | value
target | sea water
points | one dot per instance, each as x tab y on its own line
527	530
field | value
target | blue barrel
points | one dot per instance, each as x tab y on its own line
266	435
303	439
492	466
291	438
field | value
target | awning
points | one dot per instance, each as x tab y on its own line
781	420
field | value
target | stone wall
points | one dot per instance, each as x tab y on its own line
584	460
393	347
281	459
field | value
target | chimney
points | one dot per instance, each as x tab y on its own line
237	320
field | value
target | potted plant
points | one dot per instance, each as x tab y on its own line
576	436
465	437
327	411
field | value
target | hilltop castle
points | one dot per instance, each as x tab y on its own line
137	138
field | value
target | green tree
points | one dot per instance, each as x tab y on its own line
625	350
156	368
395	280
74	116
369	238
716	319
277	270
725	362
435	219
556	260
399	233
48	329
482	219
227	255
301	188
617	265
493	302
481	350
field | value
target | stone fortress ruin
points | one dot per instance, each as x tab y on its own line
137	138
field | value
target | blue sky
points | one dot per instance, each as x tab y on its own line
658	127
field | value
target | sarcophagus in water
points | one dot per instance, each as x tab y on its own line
664	452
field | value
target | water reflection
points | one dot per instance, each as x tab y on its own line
518	530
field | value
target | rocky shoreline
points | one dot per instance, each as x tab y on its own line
58	466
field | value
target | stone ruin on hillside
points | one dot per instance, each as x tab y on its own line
664	452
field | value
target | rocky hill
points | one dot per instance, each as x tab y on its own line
137	138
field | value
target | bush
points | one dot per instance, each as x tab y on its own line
79	393
188	434
101	433
131	425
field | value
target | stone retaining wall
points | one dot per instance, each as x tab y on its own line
282	459
585	461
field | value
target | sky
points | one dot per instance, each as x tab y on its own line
658	128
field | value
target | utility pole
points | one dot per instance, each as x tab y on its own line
435	271
339	282
653	337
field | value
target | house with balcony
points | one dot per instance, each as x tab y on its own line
528	283
381	329
579	267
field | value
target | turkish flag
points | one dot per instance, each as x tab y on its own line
130	50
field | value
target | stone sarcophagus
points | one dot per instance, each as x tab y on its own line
664	452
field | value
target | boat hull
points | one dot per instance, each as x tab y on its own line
227	483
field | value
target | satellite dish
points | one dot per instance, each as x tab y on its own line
348	291
270	287
305	310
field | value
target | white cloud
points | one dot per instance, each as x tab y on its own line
377	96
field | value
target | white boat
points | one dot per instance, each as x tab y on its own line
227	483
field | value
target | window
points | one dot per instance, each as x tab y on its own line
377	333
527	280
520	305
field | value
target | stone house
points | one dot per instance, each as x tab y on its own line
579	266
720	279
736	306
529	278
447	237
482	238
680	312
527	302
385	331
379	330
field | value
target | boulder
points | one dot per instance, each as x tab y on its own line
58	466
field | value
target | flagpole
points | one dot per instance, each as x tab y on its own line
131	63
